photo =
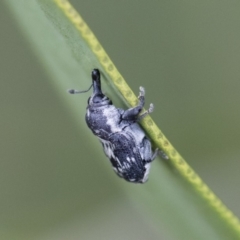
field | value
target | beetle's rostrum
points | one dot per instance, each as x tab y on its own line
123	140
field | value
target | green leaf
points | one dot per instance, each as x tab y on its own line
175	198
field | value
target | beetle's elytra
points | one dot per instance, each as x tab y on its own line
123	140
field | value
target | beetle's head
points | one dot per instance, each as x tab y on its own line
97	98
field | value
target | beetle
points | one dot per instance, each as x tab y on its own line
123	140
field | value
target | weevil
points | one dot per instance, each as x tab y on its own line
123	140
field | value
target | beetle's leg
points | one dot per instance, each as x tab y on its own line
160	152
132	113
150	110
147	154
154	154
146	150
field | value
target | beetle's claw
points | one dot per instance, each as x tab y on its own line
142	92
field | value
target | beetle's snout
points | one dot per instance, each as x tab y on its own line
96	81
98	98
95	74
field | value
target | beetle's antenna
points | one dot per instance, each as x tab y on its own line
73	91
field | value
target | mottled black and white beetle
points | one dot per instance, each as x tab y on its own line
123	141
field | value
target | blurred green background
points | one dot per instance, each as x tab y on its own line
186	54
